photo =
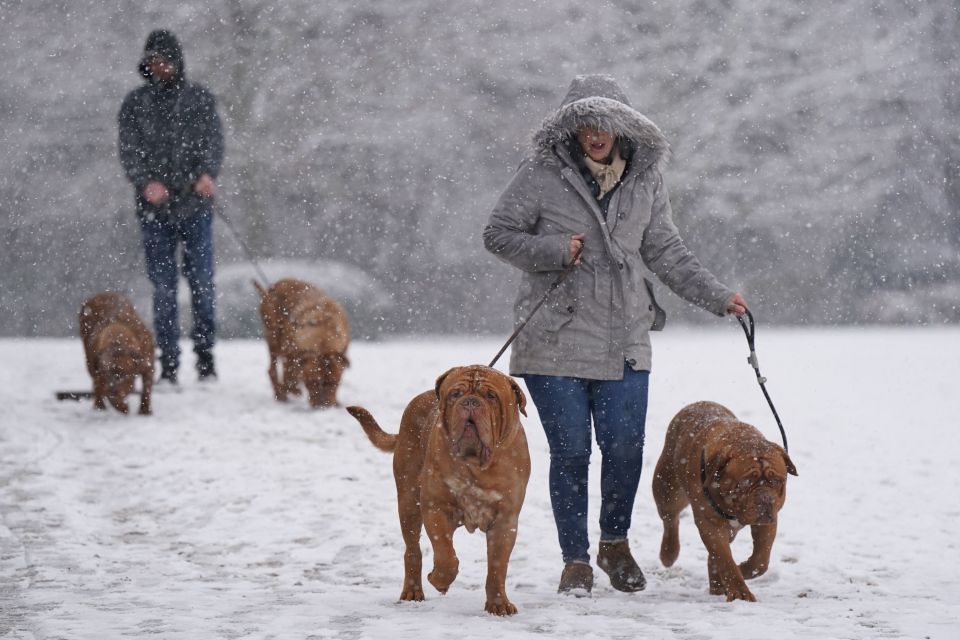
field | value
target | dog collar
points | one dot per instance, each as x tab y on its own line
706	494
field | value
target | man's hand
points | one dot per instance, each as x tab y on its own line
205	186
737	305
155	193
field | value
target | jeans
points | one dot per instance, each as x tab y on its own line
619	412
160	240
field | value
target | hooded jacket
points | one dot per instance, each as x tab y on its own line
169	131
601	315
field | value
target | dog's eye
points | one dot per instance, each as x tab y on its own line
456	393
491	395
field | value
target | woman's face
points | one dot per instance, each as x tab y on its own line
595	143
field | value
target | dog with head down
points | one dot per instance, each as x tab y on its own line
118	348
732	477
459	459
307	333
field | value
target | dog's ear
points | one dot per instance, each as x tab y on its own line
443	376
791	468
521	398
712	464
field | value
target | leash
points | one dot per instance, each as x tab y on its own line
751	332
556	283
243	245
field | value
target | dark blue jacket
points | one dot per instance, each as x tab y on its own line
169	132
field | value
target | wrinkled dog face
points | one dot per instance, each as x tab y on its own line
753	488
477	404
321	376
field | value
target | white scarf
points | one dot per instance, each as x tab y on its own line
606	175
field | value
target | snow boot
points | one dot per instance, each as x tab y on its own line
576	579
618	563
205	368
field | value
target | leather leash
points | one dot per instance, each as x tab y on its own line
750	332
556	283
236	236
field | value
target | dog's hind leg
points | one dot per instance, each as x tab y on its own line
411	523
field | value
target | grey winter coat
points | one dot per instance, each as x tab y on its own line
600	317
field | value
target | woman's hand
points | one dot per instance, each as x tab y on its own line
576	244
737	305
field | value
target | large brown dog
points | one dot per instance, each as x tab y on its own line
731	477
118	347
306	330
460	458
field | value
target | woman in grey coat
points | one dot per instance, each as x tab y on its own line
593	185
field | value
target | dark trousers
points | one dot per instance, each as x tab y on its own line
160	240
618	409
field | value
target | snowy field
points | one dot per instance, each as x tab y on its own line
229	515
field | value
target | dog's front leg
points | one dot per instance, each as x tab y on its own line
500	541
146	380
759	560
440	528
278	391
722	570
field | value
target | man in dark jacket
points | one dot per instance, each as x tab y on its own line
171	149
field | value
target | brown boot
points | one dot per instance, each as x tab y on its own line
615	559
576	579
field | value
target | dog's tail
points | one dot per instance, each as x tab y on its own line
380	438
263	292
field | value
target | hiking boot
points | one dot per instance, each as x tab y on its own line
168	377
205	368
576	579
615	559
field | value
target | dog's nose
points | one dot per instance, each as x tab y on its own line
470	402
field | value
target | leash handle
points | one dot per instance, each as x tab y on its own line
750	330
556	283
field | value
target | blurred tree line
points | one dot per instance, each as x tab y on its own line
816	151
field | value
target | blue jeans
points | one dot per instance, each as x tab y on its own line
619	412
160	240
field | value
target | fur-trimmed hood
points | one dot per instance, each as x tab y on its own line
598	101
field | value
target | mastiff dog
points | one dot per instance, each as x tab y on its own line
118	348
307	333
731	477
460	458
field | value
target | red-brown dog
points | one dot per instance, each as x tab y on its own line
118	347
307	332
460	458
731	477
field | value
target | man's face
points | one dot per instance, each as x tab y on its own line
162	69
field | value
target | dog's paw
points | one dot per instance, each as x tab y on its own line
413	593
500	607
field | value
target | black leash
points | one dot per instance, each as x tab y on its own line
556	283
243	245
752	360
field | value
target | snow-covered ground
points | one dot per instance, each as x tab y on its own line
229	515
